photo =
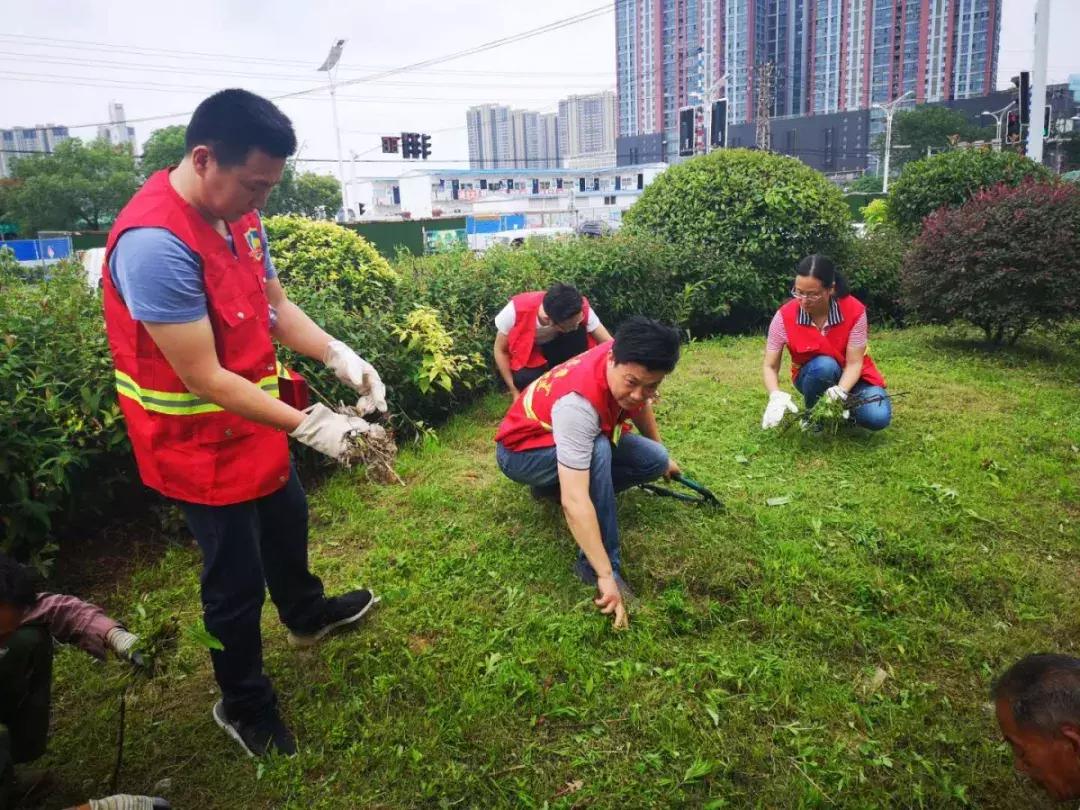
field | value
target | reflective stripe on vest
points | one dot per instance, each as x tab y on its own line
174	403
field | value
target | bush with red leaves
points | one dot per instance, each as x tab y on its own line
1005	261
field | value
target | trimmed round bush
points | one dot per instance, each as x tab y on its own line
751	216
951	179
322	254
1006	261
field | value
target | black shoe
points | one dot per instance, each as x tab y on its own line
551	493
338	611
266	735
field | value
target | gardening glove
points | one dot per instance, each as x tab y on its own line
358	374
328	431
610	601
123	644
124	802
780	402
837	393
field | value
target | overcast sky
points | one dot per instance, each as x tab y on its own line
63	61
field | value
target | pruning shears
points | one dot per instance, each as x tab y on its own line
702	495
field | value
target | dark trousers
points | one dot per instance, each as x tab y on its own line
246	548
557	350
25	695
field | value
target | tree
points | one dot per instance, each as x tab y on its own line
77	185
164	148
315	196
952	178
930	126
1005	261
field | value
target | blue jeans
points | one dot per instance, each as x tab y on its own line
822	373
614	468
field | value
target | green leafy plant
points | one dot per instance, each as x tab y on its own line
1006	261
952	178
749	217
425	337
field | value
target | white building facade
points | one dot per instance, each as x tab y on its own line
587	125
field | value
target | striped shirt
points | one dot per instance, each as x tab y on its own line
778	332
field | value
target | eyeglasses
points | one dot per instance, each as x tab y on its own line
807	296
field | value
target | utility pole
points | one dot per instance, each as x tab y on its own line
999	118
890	111
329	66
766	73
1038	78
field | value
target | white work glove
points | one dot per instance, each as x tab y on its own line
837	393
328	431
121	641
122	802
780	402
358	374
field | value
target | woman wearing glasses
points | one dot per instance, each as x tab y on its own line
825	331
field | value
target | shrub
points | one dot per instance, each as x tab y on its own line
323	254
1006	261
63	448
750	216
875	214
872	264
952	178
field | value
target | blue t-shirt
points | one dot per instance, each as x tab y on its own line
160	278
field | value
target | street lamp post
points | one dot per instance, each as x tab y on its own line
998	117
890	110
329	65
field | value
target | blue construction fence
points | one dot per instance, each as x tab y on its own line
40	252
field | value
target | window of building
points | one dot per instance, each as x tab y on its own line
609	199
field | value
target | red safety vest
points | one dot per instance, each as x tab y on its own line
527	425
524	352
806	342
185	447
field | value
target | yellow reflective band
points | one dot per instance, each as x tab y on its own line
527	403
173	403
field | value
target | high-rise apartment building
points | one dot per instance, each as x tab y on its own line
20	141
587	126
117	132
548	155
827	56
504	138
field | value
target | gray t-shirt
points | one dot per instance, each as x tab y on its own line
575	425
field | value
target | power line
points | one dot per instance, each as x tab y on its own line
496	43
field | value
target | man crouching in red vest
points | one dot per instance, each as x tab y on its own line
567	434
192	305
539	330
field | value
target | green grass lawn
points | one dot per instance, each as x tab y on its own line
835	650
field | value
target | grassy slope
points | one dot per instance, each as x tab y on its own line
930	555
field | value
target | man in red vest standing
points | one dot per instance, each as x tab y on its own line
192	306
567	434
538	330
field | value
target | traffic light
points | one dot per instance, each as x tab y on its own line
718	124
1025	98
390	145
1046	121
410	145
1012	128
686	131
425	146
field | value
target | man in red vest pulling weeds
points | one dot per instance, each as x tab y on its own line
539	330
192	306
568	434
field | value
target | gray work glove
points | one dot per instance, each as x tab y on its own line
125	802
328	431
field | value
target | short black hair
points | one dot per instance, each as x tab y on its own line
1043	691
233	122
16	583
562	302
650	343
